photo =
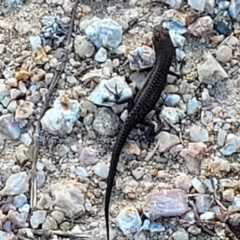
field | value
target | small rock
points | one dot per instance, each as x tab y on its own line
174	115
37	218
172	100
9	127
49	224
24	110
232	145
69	197
138	173
141	58
58	216
183	182
37	75
101	55
23	27
192	106
234	8
198	134
203	26
197	5
194	230
35	42
167	141
15	218
198	185
26	139
83	47
19	200
223	5
101	170
16	184
128	220
60	119
180	235
81	171
224	54
165	203
228	195
88	156
106	122
104	33
210	71
203	203
209	6
207	216
100	95
4	91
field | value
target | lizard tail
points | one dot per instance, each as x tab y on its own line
120	141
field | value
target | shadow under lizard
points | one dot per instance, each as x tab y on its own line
144	102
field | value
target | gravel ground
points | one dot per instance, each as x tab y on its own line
58	124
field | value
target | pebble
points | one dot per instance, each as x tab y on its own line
176	4
231	146
138	173
58	216
167	141
7	236
49	224
224	54
19	200
15	218
203	203
101	55
172	100
88	156
192	106
23	27
183	182
101	96
228	195
177	40
35	42
199	134
69	197
81	171
128	220
141	58
9	127
16	184
180	235
104	33
223	5
60	119
4	91
194	230
209	6
234	8
83	47
203	26
106	122
198	185
24	110
101	170
174	115
222	28
208	68
37	218
165	203
197	5
207	216
26	139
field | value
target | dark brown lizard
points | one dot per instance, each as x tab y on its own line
144	102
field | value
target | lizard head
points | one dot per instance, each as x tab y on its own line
160	33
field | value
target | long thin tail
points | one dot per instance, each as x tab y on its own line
120	141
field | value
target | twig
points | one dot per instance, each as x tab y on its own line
35	147
199	219
215	195
49	233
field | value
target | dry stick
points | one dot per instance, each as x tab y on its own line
35	147
191	203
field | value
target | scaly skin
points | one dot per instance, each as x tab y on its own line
144	102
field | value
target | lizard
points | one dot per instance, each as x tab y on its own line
143	103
